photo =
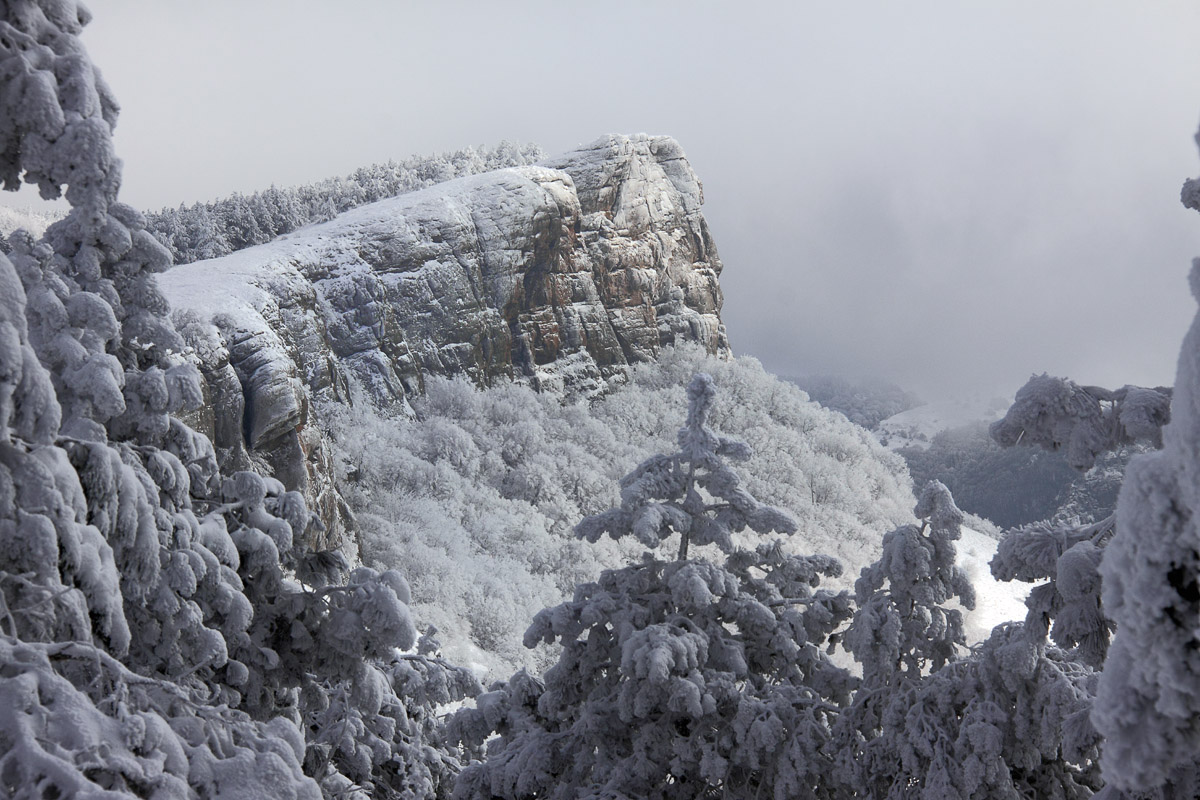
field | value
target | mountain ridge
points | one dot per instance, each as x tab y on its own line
561	274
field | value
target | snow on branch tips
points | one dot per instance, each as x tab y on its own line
677	679
1148	703
1084	421
157	636
692	492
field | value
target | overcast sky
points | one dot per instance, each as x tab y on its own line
951	195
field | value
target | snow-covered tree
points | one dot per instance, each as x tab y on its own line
1067	558
692	492
1008	719
1087	423
1084	421
903	629
161	631
677	679
1148	706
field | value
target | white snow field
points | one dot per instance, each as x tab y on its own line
995	601
917	426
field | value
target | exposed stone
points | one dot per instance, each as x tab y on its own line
560	274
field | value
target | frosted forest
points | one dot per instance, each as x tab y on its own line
441	480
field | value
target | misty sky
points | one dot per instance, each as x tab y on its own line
950	195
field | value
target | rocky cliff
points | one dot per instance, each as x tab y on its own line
559	274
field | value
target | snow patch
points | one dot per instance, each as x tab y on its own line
995	601
917	426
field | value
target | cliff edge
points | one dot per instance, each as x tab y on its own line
560	274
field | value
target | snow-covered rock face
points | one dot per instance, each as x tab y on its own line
652	260
561	274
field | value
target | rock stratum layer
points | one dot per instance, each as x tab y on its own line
560	274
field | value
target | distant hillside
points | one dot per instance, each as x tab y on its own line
1010	486
948	440
474	497
916	427
864	402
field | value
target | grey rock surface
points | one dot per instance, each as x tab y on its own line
559	274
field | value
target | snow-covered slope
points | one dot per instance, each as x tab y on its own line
474	498
917	426
995	601
561	275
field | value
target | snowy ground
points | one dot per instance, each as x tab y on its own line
917	426
995	601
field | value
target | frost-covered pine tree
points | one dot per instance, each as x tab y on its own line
902	627
77	718
692	492
1084	421
157	637
902	630
1087	422
678	679
1148	705
1068	629
1008	719
1068	559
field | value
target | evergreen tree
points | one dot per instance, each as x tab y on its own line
1084	421
692	492
930	720
902	630
677	679
1067	558
161	633
1148	706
